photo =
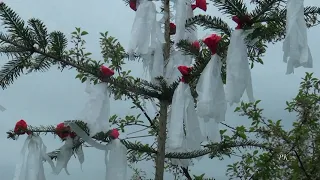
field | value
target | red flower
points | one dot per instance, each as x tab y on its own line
201	4
241	22
21	127
196	44
212	42
172	29
64	131
106	71
114	134
133	4
185	70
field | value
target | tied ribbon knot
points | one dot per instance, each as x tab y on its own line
133	4
106	72
21	127
64	131
201	4
212	42
246	20
185	71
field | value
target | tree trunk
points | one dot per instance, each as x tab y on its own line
162	134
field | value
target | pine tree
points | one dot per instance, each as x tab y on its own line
32	48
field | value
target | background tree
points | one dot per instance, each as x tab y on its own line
18	43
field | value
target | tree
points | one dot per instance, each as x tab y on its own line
32	48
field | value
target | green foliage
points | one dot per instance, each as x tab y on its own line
292	154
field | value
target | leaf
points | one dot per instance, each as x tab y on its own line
83	79
83	33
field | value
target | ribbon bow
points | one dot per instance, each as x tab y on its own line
201	4
241	21
212	42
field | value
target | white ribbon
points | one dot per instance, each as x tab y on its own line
295	45
183	113
97	110
79	152
64	156
180	19
116	161
30	167
153	61
158	63
190	34
211	104
142	28
115	154
238	70
75	128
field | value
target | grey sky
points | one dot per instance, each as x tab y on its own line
51	97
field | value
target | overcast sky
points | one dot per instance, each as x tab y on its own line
52	97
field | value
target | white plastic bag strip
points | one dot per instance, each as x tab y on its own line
238	71
211	102
64	156
116	161
142	27
30	166
97	110
74	127
295	46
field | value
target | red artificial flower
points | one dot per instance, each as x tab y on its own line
185	70
241	22
196	44
106	71
172	29
114	134
21	127
212	42
133	4
64	131
201	4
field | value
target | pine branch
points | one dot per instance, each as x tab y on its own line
208	22
231	7
40	58
39	32
263	8
15	25
212	149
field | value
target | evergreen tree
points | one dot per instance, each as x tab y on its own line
32	48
